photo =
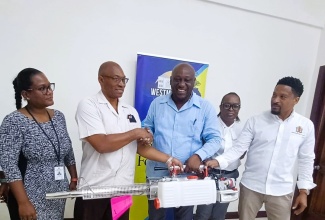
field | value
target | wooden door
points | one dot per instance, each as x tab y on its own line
316	200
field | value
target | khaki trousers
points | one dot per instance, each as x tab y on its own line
276	207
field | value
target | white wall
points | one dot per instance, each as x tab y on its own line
308	12
320	61
68	40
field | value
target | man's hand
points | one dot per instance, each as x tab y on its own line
4	188
175	162
300	203
146	136
193	164
212	163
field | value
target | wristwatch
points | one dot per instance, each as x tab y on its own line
305	191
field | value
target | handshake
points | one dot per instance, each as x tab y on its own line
146	137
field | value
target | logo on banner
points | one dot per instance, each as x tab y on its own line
163	85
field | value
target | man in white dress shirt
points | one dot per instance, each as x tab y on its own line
275	140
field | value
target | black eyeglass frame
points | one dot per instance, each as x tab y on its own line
45	89
228	106
118	79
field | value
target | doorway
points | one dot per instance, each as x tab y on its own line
316	202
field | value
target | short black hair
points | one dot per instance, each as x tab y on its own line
295	84
230	93
23	81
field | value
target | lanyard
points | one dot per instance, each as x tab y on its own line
57	153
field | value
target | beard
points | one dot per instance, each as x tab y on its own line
275	112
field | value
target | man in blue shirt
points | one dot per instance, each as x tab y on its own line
184	126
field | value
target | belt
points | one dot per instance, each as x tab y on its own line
222	171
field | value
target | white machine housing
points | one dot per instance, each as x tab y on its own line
185	192
225	196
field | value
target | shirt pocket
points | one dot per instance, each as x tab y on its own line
133	125
196	129
294	143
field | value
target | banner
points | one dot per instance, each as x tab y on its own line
152	80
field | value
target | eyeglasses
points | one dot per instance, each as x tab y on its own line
45	89
228	106
118	79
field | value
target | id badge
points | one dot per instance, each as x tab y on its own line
59	173
131	118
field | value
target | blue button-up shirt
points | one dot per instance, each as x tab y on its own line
193	129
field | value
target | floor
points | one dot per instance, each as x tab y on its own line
256	219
